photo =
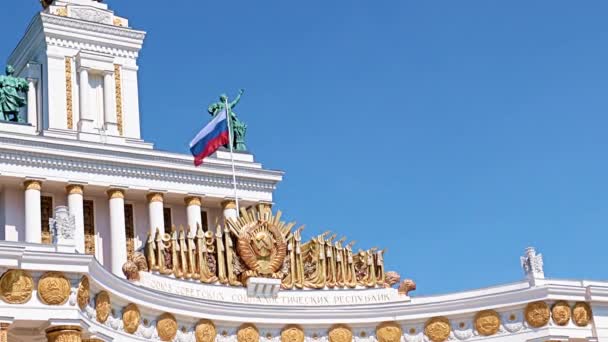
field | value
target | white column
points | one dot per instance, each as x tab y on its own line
193	211
86	121
118	235
155	210
33	227
109	106
32	103
230	210
75	206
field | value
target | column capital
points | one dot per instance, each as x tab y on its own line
228	204
116	193
64	333
74	189
32	184
192	200
155	197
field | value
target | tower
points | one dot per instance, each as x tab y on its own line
80	60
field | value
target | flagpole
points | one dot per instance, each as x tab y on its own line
229	117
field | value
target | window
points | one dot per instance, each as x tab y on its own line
95	103
168	220
46	212
130	231
204	222
89	227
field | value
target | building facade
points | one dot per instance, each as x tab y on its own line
104	238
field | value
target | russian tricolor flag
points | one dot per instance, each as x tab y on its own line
210	138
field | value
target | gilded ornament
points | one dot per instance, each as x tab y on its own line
131	317
262	247
487	322
54	288
292	333
155	197
117	22
406	287
340	333
192	200
74	189
228	204
32	185
140	260
116	193
130	270
561	313
166	326
68	94
64	334
118	98
84	293
103	306
537	314
389	332
438	329
248	333
581	314
16	287
205	331
62	11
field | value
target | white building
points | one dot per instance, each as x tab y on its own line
80	163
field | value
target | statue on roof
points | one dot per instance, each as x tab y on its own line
238	129
10	99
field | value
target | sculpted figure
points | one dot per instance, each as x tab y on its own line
238	127
10	100
391	279
407	286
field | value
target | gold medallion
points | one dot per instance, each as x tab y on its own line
438	329
537	314
389	332
487	322
166	327
205	331
16	286
54	288
103	307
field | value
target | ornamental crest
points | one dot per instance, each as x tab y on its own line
262	246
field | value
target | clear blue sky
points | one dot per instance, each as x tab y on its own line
453	133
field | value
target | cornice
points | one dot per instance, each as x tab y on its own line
98	166
92	27
74	148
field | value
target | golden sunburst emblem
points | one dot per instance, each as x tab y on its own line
262	242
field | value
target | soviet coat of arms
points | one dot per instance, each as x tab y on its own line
262	246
